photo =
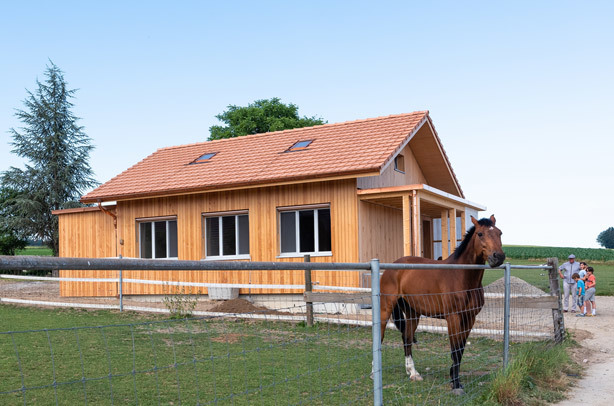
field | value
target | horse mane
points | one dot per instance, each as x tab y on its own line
463	245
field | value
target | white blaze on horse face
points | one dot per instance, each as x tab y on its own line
411	369
491	228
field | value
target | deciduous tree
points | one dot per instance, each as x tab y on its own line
260	116
606	238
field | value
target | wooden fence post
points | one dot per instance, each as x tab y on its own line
308	288
555	290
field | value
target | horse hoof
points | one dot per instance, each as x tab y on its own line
458	391
416	378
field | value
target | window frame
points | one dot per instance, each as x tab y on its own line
152	221
399	164
296	210
219	216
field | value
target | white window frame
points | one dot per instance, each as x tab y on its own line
296	210
219	216
152	221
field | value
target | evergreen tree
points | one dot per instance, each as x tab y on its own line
9	240
606	238
258	117
57	151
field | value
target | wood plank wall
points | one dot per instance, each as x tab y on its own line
262	204
87	234
381	232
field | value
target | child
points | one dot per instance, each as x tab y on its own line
580	284
590	291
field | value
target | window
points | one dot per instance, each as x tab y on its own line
300	145
399	163
305	231
204	158
227	236
158	239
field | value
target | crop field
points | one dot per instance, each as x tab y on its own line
582	254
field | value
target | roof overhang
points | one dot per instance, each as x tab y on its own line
432	200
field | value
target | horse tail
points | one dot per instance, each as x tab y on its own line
398	314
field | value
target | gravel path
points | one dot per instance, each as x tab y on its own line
596	339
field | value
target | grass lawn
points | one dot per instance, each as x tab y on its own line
31	250
142	358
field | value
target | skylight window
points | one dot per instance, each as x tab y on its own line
300	145
205	157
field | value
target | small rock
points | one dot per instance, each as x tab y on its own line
468	342
585	360
427	368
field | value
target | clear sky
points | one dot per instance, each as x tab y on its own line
521	93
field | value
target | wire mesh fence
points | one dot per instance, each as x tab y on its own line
252	355
261	349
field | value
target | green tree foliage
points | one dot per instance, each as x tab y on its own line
258	117
606	238
57	150
9	239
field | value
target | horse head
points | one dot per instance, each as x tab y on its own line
487	240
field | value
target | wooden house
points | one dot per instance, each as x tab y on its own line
347	192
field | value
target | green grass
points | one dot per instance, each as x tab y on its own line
538	374
145	358
31	250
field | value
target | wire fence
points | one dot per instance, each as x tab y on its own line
263	350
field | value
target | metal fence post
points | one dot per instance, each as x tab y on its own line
121	288
378	398
506	315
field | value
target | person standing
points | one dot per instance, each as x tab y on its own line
566	272
590	290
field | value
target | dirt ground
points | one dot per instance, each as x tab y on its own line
594	334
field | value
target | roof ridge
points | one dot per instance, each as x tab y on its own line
258	135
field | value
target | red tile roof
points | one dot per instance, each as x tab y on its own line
358	148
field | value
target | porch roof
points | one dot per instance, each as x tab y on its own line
432	199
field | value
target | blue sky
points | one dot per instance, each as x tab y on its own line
521	93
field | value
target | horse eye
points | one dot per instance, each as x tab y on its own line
480	234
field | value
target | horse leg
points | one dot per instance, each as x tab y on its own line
387	304
459	327
411	324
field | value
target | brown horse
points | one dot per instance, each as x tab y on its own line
455	295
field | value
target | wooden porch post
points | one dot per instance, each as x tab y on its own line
463	224
445	251
406	225
452	214
416	223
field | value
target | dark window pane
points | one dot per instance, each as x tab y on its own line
288	231
160	239
244	234
145	240
212	236
306	236
172	239
324	230
229	235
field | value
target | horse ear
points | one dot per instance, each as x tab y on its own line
474	221
493	219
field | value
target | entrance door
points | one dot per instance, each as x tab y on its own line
427	239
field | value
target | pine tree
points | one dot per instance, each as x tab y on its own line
57	150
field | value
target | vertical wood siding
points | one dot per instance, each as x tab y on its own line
261	203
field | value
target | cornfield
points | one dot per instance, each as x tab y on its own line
583	254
